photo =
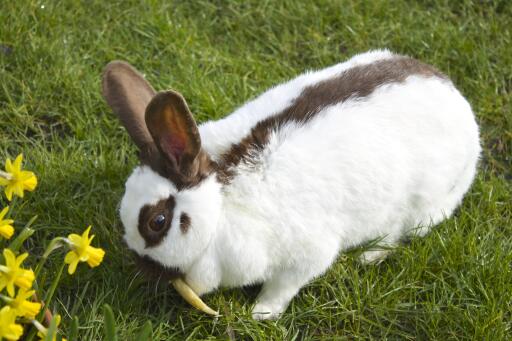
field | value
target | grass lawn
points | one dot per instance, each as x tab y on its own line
455	283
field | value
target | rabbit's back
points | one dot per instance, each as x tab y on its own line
378	161
219	136
368	168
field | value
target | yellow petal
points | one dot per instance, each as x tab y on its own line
85	235
10	289
57	320
3	282
6	231
84	257
29	180
24	294
8	166
14	333
4	212
25	280
8	192
71	257
21	258
75	239
17	162
29	309
72	267
95	256
6	222
9	256
18	189
8	328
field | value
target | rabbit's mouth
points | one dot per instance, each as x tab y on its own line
155	270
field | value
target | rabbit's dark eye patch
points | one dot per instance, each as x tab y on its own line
155	221
184	222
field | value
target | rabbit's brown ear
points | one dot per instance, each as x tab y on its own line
174	130
128	94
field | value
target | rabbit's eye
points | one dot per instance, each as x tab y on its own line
157	223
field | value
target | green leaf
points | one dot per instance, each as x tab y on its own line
73	331
145	333
22	236
109	323
51	330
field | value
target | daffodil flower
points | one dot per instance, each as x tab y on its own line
11	273
16	180
9	330
22	306
6	229
42	331
82	251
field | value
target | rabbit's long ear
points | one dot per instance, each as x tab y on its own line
174	130
128	94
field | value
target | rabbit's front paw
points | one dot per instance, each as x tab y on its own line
264	311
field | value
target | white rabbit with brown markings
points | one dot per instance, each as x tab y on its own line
378	147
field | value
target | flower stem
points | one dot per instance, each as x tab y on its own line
47	300
12	204
51	291
5	175
6	299
52	246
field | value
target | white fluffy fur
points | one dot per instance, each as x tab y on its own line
393	163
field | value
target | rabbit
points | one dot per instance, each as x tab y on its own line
381	146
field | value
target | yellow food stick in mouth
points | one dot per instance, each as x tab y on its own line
191	297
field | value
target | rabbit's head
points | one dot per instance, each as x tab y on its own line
172	201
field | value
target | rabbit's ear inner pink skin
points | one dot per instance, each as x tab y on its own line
176	136
128	94
173	129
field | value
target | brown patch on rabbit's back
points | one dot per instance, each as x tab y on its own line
357	82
